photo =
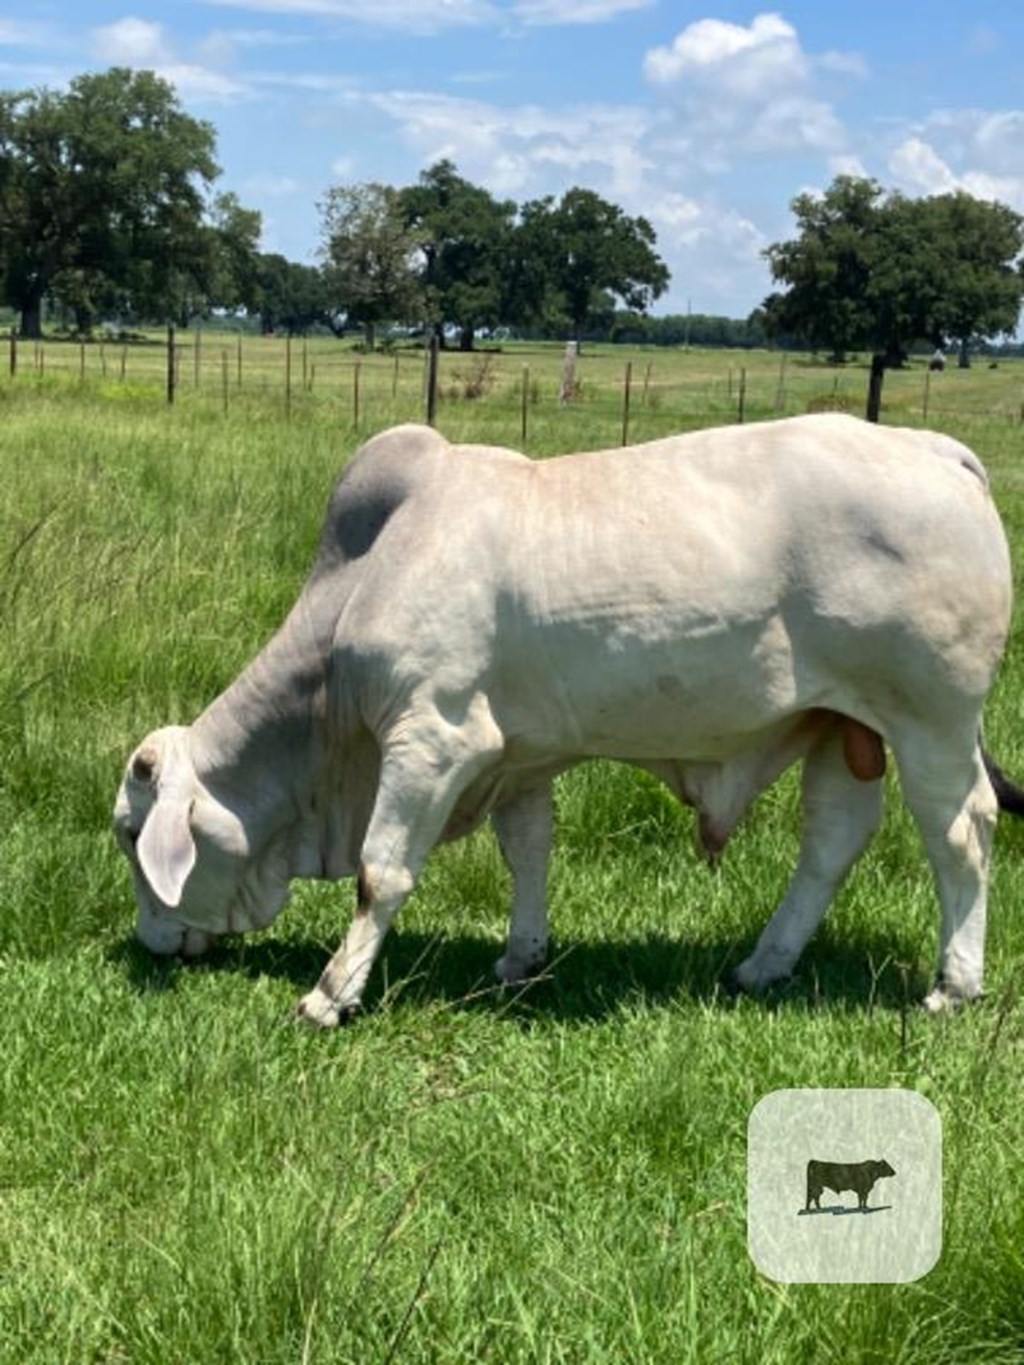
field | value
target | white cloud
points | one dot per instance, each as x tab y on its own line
144	45
16	33
738	91
313	82
432	16
714	253
202	84
550	12
843	64
975	150
130	42
999	142
266	185
920	169
846	164
511	150
797	122
749	63
263	37
415	16
343	167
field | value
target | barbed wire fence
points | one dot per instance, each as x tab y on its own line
665	390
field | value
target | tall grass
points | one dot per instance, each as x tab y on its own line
553	1175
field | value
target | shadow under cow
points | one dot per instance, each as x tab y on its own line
585	980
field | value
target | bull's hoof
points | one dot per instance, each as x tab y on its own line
750	981
516	971
729	986
320	1011
942	999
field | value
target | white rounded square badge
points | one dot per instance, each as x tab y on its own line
844	1186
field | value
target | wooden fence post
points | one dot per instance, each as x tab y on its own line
432	380
355	396
927	390
525	402
780	392
81	360
874	407
627	384
171	376
238	363
14	352
394	380
224	378
196	356
743	395
124	361
567	392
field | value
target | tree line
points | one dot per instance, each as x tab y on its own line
108	209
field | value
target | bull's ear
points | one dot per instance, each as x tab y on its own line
166	850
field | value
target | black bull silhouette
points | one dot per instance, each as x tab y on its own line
859	1176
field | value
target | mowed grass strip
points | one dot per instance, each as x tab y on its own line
556	1174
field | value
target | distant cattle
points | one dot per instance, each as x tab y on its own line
859	1176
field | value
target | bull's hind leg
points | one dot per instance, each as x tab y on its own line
424	770
949	793
841	813
523	826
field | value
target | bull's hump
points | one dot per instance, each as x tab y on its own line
385	473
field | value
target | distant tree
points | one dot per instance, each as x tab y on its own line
983	283
826	268
289	296
883	272
234	235
219	271
104	180
82	296
464	235
368	252
583	247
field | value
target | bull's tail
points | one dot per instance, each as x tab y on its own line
1008	794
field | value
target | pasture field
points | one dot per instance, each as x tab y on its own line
554	1175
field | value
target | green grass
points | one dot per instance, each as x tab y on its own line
551	1176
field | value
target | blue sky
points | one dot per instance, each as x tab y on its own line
706	117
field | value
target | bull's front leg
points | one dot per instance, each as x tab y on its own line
423	773
523	826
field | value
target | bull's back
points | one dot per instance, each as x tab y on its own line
671	588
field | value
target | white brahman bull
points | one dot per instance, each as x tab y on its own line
710	607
